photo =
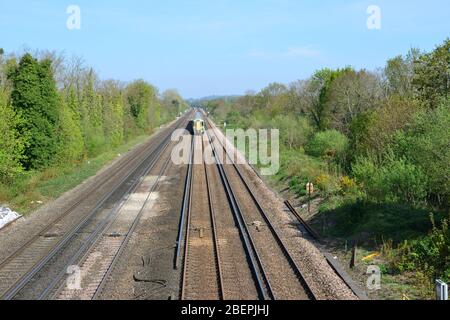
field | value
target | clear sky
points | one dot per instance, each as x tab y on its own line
206	47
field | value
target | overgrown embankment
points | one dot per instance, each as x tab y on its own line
376	146
60	124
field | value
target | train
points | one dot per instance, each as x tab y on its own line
198	124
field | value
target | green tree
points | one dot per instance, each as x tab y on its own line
12	144
432	75
350	94
142	104
395	180
172	104
35	96
71	146
91	113
399	73
426	144
113	113
294	132
328	144
370	132
315	96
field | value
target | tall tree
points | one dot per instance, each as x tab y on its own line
35	96
113	113
399	73
350	94
315	96
432	75
71	145
91	112
142	104
12	143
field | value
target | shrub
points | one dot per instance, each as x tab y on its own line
330	143
429	254
426	144
396	180
347	185
294	132
327	184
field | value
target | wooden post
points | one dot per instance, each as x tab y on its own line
353	259
309	203
309	191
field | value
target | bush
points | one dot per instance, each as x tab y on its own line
426	144
429	254
294	132
396	180
328	144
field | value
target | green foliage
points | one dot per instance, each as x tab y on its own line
378	152
142	104
318	91
92	118
71	144
371	132
432	73
297	169
328	144
396	180
34	95
294	132
399	72
12	143
372	222
425	143
113	114
430	253
172	104
351	93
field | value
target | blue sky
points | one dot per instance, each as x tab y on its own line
205	47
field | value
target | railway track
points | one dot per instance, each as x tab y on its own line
100	259
202	275
264	267
20	267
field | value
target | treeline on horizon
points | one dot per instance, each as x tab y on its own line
377	147
56	111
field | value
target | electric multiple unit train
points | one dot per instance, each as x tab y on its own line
198	124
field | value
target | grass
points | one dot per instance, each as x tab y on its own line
372	221
34	188
343	216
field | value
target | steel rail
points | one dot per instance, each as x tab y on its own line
185	207
130	232
93	238
275	234
25	278
214	228
264	287
214	234
78	201
188	224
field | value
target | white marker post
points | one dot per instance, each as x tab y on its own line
441	290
